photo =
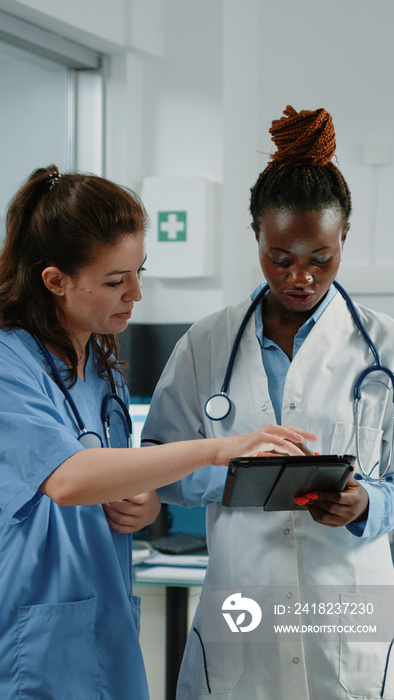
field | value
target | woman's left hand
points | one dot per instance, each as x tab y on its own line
134	513
337	509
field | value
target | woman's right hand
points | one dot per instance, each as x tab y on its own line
265	441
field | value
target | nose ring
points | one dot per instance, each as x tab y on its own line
309	278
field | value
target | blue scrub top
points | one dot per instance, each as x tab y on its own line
68	620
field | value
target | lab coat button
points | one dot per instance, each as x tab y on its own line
264	407
292	406
296	660
289	595
286	531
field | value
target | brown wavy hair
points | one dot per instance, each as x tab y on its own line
61	220
301	175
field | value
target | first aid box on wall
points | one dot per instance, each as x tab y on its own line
180	238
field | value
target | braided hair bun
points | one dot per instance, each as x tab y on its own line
303	138
300	174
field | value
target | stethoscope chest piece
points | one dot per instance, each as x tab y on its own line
89	439
218	407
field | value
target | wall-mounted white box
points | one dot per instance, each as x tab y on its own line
180	239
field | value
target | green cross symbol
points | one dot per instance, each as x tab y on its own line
172	226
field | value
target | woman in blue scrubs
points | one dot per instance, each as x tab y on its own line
69	276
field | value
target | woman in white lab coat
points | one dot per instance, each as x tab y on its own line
296	364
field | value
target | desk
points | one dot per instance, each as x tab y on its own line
177	581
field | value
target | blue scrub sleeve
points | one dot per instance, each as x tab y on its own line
33	437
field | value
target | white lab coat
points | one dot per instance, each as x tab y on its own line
249	546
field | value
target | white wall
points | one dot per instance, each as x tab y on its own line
193	87
182	134
340	56
228	69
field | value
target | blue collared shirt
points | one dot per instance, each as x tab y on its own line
275	361
276	364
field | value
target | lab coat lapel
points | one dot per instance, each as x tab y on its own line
251	369
329	334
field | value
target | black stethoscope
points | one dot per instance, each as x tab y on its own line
219	405
89	438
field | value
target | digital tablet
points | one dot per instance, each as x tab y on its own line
273	482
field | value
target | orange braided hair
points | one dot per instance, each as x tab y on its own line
300	174
303	137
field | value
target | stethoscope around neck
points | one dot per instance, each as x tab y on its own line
219	405
88	438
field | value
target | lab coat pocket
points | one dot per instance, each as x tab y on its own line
370	440
57	655
135	605
209	667
366	668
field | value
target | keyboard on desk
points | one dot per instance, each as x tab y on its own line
180	543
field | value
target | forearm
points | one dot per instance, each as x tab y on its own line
102	475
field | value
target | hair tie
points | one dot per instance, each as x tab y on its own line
53	179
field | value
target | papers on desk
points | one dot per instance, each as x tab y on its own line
141	551
181	568
184	560
169	575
